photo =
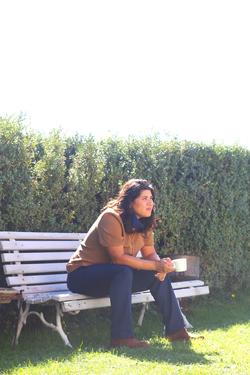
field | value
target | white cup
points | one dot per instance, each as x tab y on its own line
180	264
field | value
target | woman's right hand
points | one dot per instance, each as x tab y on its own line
164	265
169	265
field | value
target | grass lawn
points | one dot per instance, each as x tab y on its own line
223	320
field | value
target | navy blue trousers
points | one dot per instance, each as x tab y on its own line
119	282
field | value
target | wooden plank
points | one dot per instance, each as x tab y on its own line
37	257
36	298
102	302
191	292
41	235
15	269
9	294
136	298
39	245
37	279
67	295
73	301
85	304
43	288
187	284
92	303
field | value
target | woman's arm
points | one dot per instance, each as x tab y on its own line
149	252
151	262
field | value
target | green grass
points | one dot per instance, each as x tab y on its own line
226	349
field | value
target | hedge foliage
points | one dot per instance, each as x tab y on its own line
56	183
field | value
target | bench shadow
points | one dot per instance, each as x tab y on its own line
32	350
221	314
222	325
27	354
178	353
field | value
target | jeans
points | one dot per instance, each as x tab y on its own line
119	282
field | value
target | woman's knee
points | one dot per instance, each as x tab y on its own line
72	283
126	270
124	273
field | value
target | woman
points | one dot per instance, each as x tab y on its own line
106	264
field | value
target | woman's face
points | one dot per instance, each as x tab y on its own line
143	205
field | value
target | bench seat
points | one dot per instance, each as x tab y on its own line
182	289
34	264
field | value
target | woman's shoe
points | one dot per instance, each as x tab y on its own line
182	335
130	342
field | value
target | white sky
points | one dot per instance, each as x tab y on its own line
128	67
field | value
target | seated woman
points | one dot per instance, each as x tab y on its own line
106	264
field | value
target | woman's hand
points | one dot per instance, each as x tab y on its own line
169	267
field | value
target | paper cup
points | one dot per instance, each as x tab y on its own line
180	264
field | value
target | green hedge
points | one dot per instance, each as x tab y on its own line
56	183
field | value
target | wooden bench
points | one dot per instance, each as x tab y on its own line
34	264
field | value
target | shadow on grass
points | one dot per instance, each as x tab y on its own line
39	345
176	354
223	312
37	351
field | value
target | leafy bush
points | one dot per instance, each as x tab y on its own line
16	153
56	183
49	183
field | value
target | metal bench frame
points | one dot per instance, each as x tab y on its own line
34	263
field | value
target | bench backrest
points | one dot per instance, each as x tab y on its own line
35	262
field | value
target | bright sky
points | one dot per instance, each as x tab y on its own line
128	67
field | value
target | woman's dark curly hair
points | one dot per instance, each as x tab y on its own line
122	203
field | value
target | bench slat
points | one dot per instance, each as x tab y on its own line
37	279
191	292
43	288
83	304
73	301
41	236
29	257
62	294
187	283
43	279
188	292
39	245
12	269
102	302
68	296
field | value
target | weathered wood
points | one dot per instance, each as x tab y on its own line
11	269
42	288
39	245
36	257
8	294
36	279
41	236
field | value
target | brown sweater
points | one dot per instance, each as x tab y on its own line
107	230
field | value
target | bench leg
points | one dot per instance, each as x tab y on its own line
142	313
59	329
24	313
56	327
22	317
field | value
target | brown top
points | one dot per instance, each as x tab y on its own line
107	230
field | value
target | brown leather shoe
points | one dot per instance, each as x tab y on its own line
182	335
130	342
